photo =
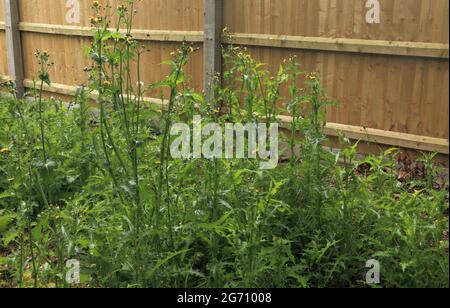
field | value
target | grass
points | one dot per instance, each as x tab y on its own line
102	188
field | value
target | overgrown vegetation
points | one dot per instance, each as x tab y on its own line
99	185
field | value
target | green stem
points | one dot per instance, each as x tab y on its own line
35	272
164	144
41	122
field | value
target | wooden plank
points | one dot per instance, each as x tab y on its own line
139	34
3	56
14	45
150	14
70	60
69	90
212	44
368	89
397	48
401	20
402	140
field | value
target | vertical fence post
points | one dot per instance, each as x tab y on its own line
14	45
212	44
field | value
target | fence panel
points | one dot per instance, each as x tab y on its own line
388	92
400	20
67	50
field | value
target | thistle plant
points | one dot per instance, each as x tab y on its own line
294	104
173	81
45	65
114	53
9	87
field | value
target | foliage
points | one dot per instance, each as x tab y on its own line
98	185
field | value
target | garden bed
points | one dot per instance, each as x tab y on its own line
104	192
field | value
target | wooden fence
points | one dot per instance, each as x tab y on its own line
388	69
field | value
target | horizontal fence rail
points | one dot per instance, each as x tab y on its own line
410	49
143	35
398	48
